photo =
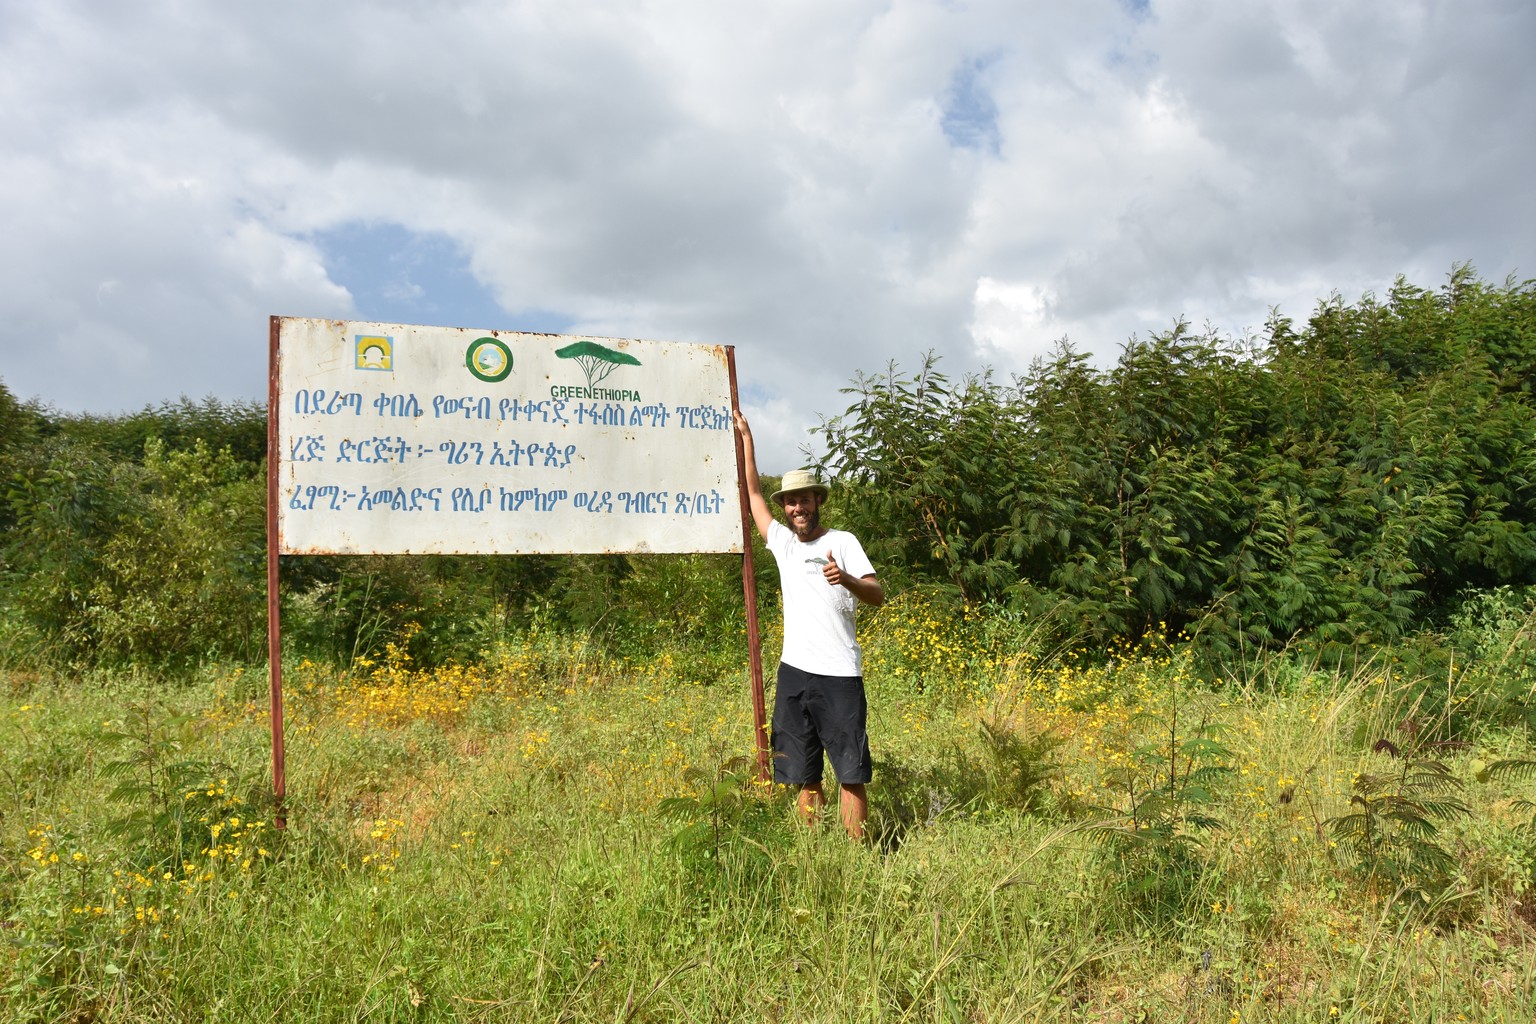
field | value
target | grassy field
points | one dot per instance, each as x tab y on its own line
556	834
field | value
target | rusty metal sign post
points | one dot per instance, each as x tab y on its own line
401	439
274	617
749	590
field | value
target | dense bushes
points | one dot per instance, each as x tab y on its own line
1340	485
155	561
141	540
1343	484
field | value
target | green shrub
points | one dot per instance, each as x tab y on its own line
1390	836
156	563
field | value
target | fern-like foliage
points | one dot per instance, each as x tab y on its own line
728	813
1169	789
1521	768
169	800
1391	833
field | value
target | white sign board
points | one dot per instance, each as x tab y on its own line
394	439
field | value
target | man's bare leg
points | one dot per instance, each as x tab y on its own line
810	802
853	803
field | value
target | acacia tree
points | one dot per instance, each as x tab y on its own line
596	361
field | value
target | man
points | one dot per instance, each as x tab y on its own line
819	703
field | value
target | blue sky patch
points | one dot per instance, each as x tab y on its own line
401	276
970	114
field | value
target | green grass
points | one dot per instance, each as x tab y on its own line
557	835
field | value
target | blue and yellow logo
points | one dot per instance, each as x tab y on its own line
375	352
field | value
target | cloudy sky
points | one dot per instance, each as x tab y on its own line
827	186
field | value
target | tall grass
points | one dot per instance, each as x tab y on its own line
520	839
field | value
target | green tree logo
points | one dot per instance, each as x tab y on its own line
596	361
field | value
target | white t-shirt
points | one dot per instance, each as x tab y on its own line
818	617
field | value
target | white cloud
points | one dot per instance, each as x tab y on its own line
773	176
1009	318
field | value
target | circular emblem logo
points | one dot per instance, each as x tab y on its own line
488	359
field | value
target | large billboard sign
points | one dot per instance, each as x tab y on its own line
397	439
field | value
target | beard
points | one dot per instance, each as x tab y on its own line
808	529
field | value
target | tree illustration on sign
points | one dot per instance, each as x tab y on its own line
596	361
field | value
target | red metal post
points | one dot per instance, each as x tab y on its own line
274	622
749	586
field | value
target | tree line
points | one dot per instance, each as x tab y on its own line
1341	483
141	540
1344	482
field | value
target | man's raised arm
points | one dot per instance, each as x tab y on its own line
761	514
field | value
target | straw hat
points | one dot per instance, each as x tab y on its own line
799	480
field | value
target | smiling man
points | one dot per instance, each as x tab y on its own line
819	706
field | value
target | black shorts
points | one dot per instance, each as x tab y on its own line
812	714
